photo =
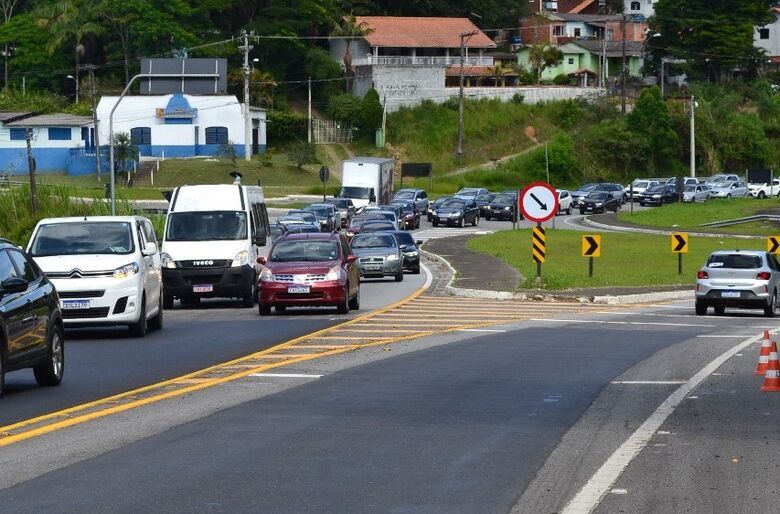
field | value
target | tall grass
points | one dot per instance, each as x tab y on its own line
18	221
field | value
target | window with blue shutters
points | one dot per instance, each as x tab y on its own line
141	135
59	134
216	135
17	134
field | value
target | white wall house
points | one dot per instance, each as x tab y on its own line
768	37
644	7
181	125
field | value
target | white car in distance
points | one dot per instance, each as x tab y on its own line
694	194
729	189
107	270
564	201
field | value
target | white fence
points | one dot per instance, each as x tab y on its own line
400	60
330	132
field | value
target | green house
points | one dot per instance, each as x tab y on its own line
582	59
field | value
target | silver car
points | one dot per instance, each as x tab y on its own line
729	189
378	255
695	194
740	279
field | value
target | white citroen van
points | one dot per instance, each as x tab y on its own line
107	270
213	237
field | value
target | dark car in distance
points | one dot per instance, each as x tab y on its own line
456	211
410	250
502	207
309	270
599	202
434	205
417	196
658	195
410	214
483	202
30	319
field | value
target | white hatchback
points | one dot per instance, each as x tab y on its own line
107	270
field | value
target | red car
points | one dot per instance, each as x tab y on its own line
309	270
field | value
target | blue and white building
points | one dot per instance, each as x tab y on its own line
59	143
182	125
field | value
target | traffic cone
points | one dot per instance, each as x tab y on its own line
772	377
763	357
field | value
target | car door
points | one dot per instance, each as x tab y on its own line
17	312
155	270
352	268
37	299
151	291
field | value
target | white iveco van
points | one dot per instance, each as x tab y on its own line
213	237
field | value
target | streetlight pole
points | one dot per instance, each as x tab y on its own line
693	137
464	36
623	71
247	119
116	104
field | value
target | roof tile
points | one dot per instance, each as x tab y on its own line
422	32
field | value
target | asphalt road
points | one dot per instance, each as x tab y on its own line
102	362
470	422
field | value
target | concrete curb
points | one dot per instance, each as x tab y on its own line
616	228
628	299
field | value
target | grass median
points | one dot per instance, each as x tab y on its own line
627	260
688	216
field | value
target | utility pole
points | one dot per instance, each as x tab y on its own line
693	137
24	86
624	71
663	61
31	169
247	119
464	36
603	74
308	131
91	69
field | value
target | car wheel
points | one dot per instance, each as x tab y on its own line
280	308
475	222
167	302
487	217
701	309
416	270
568	211
582	211
761	195
435	223
50	372
354	303
399	277
728	196
248	300
417	225
460	223
263	310
343	307
138	329
719	310
770	310
156	323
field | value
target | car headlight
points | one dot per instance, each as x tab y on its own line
392	258
599	204
127	270
434	212
266	275
507	208
240	259
350	234
456	213
656	196
412	254
334	273
167	261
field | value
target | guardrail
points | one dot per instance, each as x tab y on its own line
738	221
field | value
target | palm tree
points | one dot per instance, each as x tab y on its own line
349	29
499	73
124	149
70	21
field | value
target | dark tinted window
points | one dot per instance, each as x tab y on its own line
7	269
404	238
141	135
216	135
404	195
453	204
373	241
207	226
307	250
735	261
24	266
598	196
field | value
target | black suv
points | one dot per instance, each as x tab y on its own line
31	334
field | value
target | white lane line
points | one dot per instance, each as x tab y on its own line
648	382
598	321
480	330
600	483
428	276
284	375
723	336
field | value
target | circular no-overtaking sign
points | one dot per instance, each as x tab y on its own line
539	202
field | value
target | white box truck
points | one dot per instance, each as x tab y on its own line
367	180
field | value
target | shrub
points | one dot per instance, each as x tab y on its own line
301	153
561	80
285	126
345	108
371	115
518	98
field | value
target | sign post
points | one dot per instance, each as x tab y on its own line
679	242
773	244
324	175
591	247
538	202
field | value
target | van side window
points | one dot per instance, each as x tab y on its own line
260	215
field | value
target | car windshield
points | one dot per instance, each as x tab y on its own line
404	238
377	226
302	215
317	210
467	191
453	204
690	189
405	208
734	261
207	226
362	193
390	216
723	185
404	195
83	238
588	187
640	184
301	228
598	196
440	201
305	250
484	198
340	203
504	200
657	189
374	241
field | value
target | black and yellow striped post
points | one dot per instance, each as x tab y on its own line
538	248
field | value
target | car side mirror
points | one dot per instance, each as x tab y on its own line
262	260
149	249
14	285
351	259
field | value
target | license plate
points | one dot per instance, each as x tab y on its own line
203	289
373	267
730	294
75	304
298	289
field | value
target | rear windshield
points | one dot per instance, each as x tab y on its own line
404	195
453	204
286	251
735	261
82	238
504	199
373	241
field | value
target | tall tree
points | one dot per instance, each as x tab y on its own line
7	6
651	120
349	29
542	57
716	38
70	22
